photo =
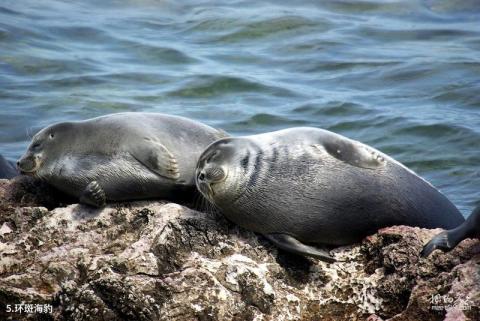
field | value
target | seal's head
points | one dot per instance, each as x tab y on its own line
44	146
222	169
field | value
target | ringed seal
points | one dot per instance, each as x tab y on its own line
303	186
447	240
119	157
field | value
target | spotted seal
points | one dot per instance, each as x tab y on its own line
117	157
305	186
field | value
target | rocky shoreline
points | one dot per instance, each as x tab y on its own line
156	260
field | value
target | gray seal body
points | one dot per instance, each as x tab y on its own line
307	185
119	157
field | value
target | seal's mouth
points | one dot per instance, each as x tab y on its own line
32	173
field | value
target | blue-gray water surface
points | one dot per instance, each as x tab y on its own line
402	76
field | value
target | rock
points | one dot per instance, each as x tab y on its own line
155	260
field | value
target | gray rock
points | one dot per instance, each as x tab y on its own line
163	261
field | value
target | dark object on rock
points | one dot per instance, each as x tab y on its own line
7	168
163	261
447	240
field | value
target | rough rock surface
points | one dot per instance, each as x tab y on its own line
163	261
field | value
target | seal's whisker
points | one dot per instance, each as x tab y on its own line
198	201
212	209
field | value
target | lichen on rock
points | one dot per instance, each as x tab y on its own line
154	260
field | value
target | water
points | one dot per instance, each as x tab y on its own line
403	76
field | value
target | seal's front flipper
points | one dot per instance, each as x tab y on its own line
156	158
353	152
93	195
291	244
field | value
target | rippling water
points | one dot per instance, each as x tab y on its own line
403	76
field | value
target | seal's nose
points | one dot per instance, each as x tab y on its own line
201	176
19	165
27	164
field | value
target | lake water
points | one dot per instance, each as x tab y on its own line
402	76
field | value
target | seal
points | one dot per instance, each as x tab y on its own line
448	240
305	186
7	169
119	157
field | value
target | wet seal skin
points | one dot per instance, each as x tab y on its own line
119	157
304	186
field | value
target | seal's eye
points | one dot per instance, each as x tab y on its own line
212	156
36	145
51	136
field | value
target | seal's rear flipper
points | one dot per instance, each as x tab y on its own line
440	241
93	195
447	240
291	244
